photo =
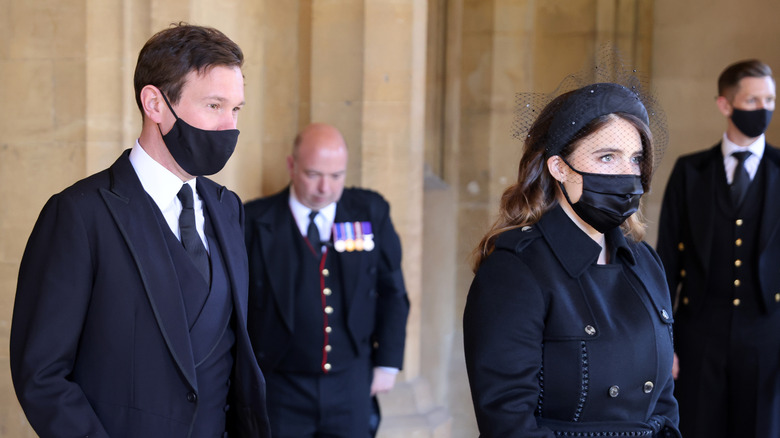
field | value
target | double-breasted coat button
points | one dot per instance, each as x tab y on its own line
192	397
736	302
590	330
328	310
648	387
664	314
614	391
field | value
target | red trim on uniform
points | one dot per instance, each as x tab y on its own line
324	315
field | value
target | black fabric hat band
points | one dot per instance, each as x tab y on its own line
586	104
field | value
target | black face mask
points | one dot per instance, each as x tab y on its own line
607	200
751	123
197	151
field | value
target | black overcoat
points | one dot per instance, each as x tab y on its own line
547	352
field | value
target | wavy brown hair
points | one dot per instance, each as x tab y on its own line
535	192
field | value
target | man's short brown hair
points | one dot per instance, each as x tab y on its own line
169	55
729	79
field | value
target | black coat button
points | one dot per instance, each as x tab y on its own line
192	397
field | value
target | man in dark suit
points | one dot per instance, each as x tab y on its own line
327	302
719	239
119	328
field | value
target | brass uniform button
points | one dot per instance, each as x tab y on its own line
738	242
326	367
739	222
328	348
681	246
325	272
648	387
328	329
736	302
738	263
327	291
686	300
777	298
682	273
737	282
328	310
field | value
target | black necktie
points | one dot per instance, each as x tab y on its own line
189	234
741	180
313	234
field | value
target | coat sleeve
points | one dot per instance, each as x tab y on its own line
670	229
393	303
52	300
503	325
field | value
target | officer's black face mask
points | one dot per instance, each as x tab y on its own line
751	123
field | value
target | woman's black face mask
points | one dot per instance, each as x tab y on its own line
607	200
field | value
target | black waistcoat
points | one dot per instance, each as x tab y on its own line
733	261
320	342
209	314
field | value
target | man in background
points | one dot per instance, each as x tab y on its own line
130	313
719	239
327	302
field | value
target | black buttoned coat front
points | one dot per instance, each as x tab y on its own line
549	350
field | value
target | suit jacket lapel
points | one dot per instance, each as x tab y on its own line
702	199
230	239
770	220
132	210
275	237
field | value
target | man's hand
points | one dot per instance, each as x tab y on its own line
383	381
675	367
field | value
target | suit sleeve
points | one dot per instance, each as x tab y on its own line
503	325
393	302
670	229
52	300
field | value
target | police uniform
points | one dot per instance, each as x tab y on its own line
557	345
319	324
721	262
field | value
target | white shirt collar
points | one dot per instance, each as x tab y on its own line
160	183
324	219
756	148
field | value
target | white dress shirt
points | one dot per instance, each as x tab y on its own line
727	147
324	220
163	186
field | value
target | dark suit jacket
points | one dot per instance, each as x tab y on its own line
545	343
377	304
99	340
685	231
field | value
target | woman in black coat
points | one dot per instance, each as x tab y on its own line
568	323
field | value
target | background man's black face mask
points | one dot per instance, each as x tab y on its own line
607	200
198	151
751	123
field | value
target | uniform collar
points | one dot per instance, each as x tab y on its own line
574	249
